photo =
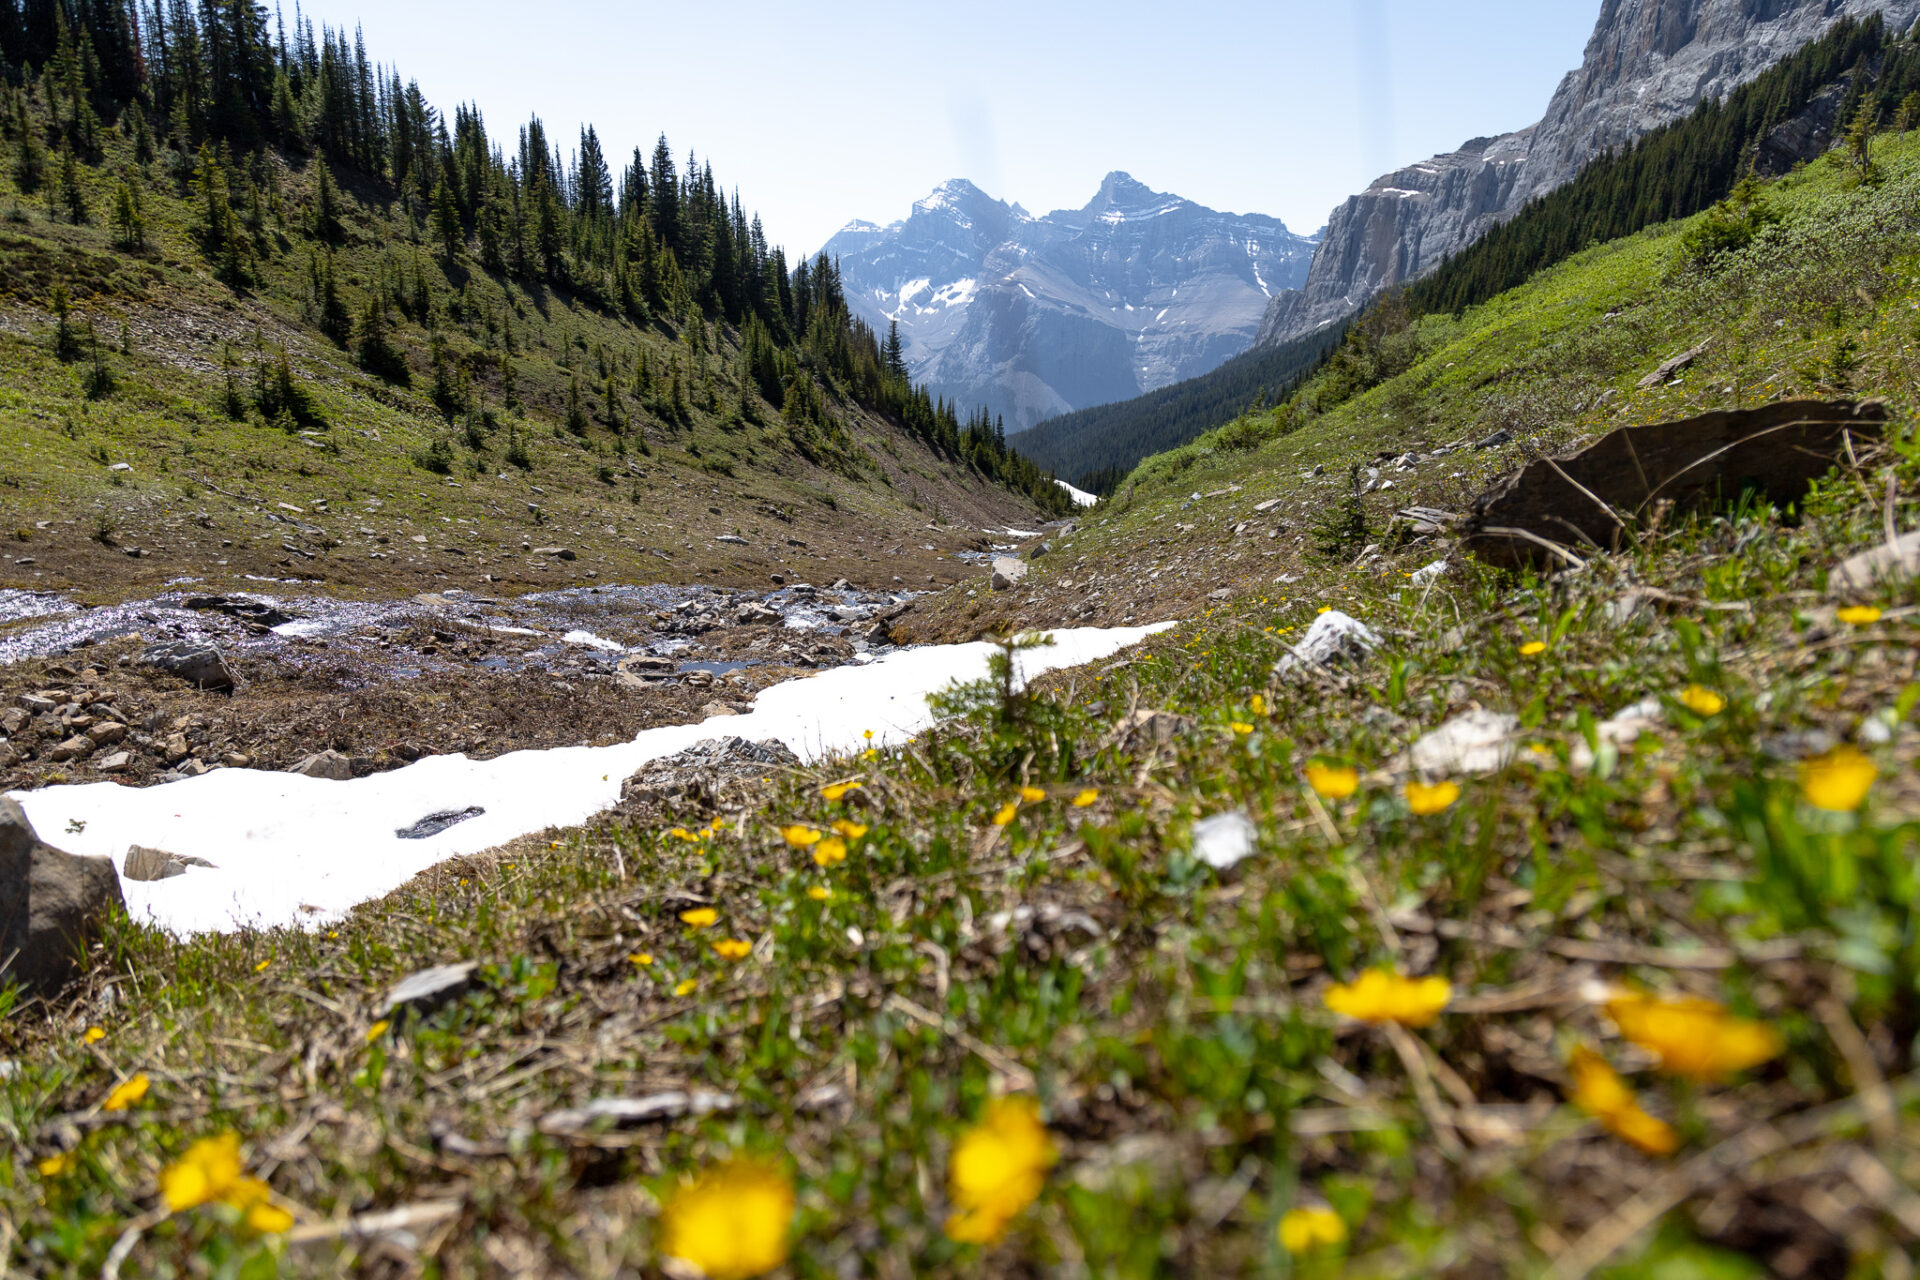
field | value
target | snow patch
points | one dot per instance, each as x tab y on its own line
1081	498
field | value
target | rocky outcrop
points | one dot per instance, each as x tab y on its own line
52	904
1649	63
1033	317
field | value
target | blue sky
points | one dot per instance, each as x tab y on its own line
826	112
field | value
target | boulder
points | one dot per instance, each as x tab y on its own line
1008	573
118	762
329	765
145	864
556	553
52	904
755	614
699	776
1477	742
78	747
194	661
1334	638
1897	561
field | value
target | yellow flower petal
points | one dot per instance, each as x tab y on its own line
1696	1038
1702	702
1307	1229
839	790
819	892
1259	705
1600	1092
269	1219
642	959
830	852
1242	728
94	1035
997	1169
700	917
686	988
1426	800
1839	780
377	1030
1533	648
731	1222
1333	781
208	1171
57	1166
1007	814
801	837
733	948
850	829
1086	799
127	1093
1386	995
262	966
1859	615
1032	795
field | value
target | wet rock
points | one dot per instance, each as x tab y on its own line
434	823
1887	563
143	864
1334	639
329	765
1480	741
194	661
1007	573
429	989
51	904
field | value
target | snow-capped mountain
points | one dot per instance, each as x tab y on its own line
1034	317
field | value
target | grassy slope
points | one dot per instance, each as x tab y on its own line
1194	1080
619	510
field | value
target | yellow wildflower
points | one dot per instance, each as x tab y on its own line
1533	648
830	852
732	1221
642	959
1702	702
700	917
57	1166
94	1035
269	1219
262	966
839	790
1839	780
819	892
1601	1093
850	829
1007	813
377	1030
1859	615
1386	995
210	1171
733	948
1696	1038
686	988
868	735
1307	1229
1086	799
1335	782
1259	705
1426	800
997	1169
127	1093
1032	795
681	833
1242	728
801	837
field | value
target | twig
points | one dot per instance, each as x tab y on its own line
1573	561
1017	1076
1442	1124
1868	1081
124	1246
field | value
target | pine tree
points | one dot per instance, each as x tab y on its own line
446	222
893	353
71	196
576	410
326	204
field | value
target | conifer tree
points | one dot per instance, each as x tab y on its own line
446	222
326	204
893	354
576	409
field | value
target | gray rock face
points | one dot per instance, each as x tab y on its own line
1649	63
193	661
51	904
1008	572
1034	317
328	765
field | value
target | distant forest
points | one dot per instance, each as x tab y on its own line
203	85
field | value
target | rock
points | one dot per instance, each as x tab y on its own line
118	762
434	823
144	864
701	774
1495	440
1224	840
1617	734
1478	742
556	553
1008	573
108	732
252	611
36	704
1580	501
1895	563
1045	932
732	539
429	989
329	765
1224	593
13	720
841	584
715	709
77	747
237	760
194	661
627	1113
1431	573
176	749
52	904
1332	640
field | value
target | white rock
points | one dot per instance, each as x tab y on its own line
1477	742
1334	637
1432	573
1899	562
1223	840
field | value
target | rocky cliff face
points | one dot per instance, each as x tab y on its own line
1649	63
1039	316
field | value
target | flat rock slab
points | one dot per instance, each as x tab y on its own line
1593	498
429	989
143	864
1898	561
1477	742
195	662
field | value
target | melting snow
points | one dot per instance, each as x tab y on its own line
1080	496
593	641
295	851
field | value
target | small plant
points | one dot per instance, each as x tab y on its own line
436	456
1342	532
105	527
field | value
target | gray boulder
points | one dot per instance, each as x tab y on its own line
1008	573
52	904
1333	639
194	661
330	765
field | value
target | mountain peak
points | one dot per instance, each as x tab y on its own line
1120	189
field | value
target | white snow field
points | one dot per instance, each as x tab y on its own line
295	851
